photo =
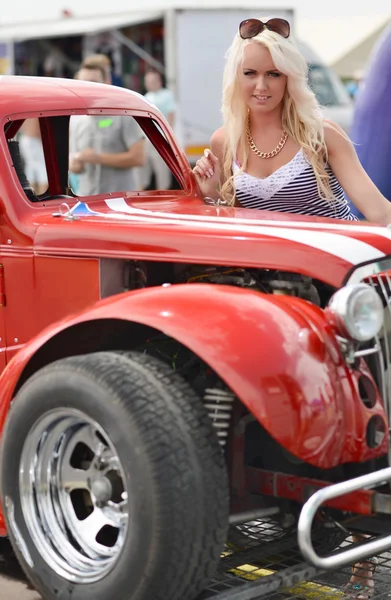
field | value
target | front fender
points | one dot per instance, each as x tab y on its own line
280	361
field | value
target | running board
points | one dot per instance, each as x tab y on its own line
310	508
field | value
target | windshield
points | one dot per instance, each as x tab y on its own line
328	89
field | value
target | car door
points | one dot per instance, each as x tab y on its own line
2	318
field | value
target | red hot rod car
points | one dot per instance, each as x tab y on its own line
173	369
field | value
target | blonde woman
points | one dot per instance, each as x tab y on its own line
275	151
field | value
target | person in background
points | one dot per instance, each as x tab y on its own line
105	150
163	99
101	61
354	84
31	150
109	54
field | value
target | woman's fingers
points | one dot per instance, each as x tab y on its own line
211	157
204	167
212	161
198	171
207	166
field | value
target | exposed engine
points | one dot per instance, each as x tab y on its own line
263	280
119	276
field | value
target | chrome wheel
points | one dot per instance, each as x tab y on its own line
74	495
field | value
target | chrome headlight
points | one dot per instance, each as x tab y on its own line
358	311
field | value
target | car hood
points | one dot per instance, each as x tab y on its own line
189	231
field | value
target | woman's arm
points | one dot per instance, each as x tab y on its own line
357	185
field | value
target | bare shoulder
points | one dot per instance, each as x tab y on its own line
335	137
217	142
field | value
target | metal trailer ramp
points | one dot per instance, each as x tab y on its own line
272	567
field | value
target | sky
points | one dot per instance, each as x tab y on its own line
330	26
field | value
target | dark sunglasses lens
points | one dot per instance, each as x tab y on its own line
279	26
250	28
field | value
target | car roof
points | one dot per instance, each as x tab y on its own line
19	94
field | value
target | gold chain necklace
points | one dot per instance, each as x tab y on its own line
256	150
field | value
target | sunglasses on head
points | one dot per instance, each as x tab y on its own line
252	27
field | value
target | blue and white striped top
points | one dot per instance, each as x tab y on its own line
292	188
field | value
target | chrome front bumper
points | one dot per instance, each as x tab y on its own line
310	508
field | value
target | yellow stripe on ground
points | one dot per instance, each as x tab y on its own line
307	590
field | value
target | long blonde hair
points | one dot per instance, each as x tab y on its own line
301	114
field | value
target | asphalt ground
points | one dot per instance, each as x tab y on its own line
13	585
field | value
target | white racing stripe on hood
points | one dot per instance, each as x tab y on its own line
349	249
120	205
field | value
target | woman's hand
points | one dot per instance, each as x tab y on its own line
207	173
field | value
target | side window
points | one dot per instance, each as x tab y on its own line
38	150
87	155
32	157
113	154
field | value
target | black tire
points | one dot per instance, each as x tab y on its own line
171	457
